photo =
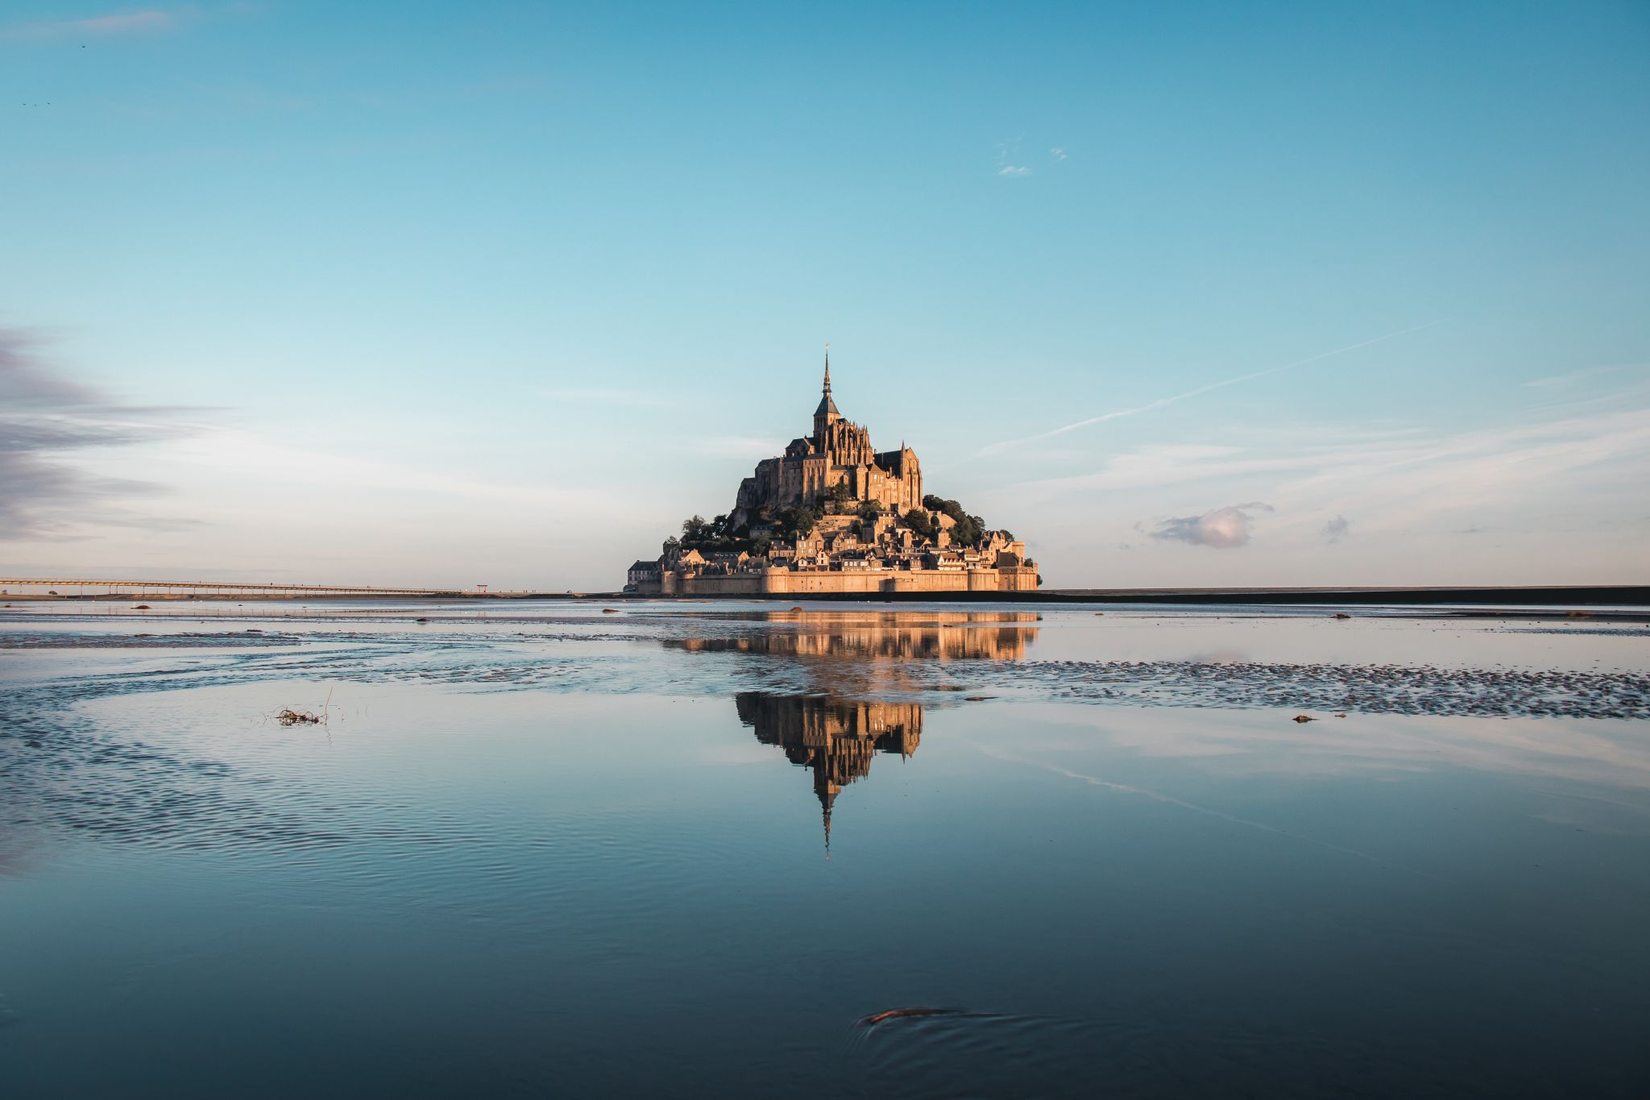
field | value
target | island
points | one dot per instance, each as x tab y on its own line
832	515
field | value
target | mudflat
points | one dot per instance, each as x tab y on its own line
682	849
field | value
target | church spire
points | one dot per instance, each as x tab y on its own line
827	413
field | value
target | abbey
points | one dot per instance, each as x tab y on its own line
834	515
838	453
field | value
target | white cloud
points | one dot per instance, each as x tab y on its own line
754	448
598	395
1057	153
111	25
1220	529
1014	170
260	461
1165	402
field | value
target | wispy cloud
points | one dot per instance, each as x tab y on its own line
1009	161
260	461
737	446
1221	529
1173	399
45	420
109	25
599	395
1551	488
1576	377
1057	153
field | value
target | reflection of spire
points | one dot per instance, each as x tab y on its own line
825	801
833	738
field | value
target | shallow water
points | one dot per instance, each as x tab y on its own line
691	849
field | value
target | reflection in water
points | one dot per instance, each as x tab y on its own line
934	635
853	654
848	658
833	738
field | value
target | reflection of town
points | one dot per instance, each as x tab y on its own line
846	661
942	635
833	738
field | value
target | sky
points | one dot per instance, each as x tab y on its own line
1183	294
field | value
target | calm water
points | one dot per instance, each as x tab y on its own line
711	850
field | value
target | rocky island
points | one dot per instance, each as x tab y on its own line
833	515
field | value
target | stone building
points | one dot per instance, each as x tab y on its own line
833	515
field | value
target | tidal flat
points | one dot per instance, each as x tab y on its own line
682	849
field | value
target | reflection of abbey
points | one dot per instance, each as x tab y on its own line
833	738
833	515
902	636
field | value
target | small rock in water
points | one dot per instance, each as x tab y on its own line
1342	615
1303	718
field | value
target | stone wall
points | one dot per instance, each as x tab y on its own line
870	582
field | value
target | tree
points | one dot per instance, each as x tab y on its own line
922	523
695	532
968	530
840	493
869	510
797	523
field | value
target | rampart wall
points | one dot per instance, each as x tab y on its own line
870	582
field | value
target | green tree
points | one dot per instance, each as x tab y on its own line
921	523
869	510
695	532
796	523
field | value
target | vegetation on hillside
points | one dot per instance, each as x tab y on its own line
718	535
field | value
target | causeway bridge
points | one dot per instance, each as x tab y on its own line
104	588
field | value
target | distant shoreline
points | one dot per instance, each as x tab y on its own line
1537	596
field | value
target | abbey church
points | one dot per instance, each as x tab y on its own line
834	515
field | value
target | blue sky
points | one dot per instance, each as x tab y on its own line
1183	294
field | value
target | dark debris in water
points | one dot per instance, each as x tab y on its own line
1370	689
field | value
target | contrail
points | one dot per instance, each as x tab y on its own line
1162	402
